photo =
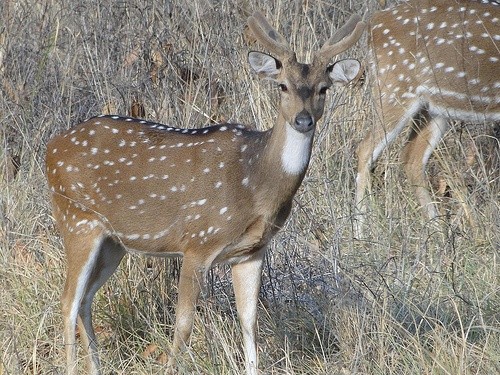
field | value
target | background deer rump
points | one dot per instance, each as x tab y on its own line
432	62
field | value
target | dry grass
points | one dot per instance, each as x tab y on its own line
405	299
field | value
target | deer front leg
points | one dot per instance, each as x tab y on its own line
189	288
246	284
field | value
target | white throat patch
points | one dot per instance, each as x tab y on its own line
296	151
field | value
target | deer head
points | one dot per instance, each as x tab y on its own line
303	86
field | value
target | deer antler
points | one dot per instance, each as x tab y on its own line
268	36
343	38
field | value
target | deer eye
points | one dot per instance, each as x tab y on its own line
323	90
283	87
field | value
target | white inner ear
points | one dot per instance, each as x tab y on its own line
263	64
344	71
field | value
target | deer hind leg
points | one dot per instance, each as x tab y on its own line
108	259
191	280
416	154
246	284
87	271
82	253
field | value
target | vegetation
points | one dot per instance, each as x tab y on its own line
410	297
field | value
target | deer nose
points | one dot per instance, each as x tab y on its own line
303	122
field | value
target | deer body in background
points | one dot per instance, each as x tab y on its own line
212	195
432	62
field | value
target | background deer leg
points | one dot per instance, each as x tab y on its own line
415	157
246	284
368	152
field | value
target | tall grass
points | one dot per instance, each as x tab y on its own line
407	298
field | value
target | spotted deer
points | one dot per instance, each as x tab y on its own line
212	195
432	62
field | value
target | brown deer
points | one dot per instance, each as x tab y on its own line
215	194
432	62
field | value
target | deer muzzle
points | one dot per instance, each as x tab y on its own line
303	122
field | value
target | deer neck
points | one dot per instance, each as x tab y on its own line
284	161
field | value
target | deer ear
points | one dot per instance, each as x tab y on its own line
264	65
344	71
